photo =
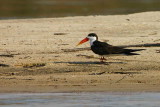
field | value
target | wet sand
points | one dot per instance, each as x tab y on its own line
35	54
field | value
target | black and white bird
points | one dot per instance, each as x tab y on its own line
104	49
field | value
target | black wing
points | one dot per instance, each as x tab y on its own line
103	48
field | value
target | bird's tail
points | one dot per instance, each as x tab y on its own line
129	51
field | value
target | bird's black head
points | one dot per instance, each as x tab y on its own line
93	35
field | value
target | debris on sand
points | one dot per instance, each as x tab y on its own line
157	51
6	55
60	33
87	56
31	65
4	65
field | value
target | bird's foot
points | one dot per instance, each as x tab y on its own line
102	61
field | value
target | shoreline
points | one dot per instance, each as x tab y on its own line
35	54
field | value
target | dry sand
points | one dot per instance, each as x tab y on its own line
34	56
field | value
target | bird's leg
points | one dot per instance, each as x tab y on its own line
102	59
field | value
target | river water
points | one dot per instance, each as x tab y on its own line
63	8
99	99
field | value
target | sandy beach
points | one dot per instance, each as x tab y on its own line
40	55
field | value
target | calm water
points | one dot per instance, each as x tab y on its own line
80	100
61	8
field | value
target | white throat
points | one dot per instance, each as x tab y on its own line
92	39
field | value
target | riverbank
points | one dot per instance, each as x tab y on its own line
34	54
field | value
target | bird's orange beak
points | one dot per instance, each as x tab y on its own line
82	41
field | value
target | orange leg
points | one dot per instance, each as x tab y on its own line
102	59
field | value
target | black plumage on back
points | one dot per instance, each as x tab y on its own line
102	48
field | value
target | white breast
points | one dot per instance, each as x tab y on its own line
91	39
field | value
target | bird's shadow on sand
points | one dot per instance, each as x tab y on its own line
90	62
